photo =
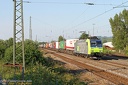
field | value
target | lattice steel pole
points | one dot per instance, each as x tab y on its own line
30	30
18	35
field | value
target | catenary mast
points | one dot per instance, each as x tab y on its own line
30	30
18	33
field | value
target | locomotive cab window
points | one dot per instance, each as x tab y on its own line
96	43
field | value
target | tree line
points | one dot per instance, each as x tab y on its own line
119	26
32	54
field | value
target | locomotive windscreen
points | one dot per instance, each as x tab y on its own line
96	43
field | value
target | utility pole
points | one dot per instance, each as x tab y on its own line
36	38
18	34
30	30
88	34
63	35
93	29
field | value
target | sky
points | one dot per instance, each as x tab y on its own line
52	18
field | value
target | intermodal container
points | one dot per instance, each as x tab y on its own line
62	45
54	45
47	45
70	44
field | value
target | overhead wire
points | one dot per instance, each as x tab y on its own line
99	14
63	3
55	2
84	11
76	18
50	26
40	21
74	3
120	7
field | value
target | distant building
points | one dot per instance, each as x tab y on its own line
108	45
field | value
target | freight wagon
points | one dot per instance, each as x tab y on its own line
54	45
47	45
70	45
57	45
62	45
67	46
50	45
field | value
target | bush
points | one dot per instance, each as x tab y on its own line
41	75
32	54
106	51
126	50
8	54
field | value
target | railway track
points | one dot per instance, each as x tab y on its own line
108	75
114	64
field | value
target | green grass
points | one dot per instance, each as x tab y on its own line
6	71
51	73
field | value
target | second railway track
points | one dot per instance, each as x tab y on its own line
108	75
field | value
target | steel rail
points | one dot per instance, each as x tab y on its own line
114	78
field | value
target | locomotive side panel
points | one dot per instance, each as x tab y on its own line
81	46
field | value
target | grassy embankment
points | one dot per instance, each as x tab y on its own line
47	72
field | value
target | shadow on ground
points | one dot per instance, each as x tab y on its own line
114	57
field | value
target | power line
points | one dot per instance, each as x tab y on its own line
56	3
100	14
96	4
122	4
76	18
120	7
83	12
64	3
70	3
43	22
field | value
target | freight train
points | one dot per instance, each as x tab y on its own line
89	47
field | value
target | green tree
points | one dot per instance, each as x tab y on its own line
9	42
8	54
60	38
5	44
32	54
119	25
2	48
84	36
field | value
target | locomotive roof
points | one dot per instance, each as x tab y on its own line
93	37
